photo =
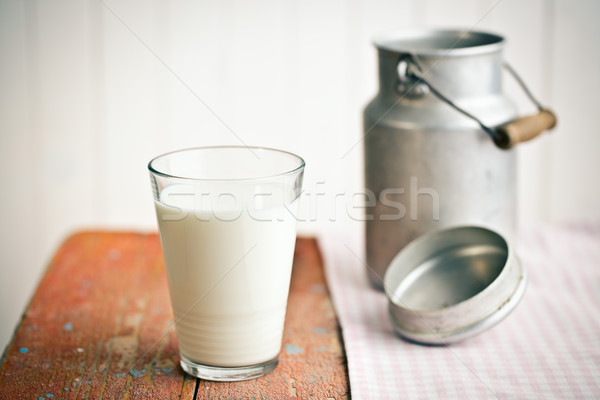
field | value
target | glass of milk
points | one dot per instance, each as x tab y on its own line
227	225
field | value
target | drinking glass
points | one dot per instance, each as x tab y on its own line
227	224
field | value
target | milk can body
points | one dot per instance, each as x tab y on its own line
428	166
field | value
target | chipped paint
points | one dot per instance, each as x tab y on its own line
125	347
319	330
137	373
318	288
291	349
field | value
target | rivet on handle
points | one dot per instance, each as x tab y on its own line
408	86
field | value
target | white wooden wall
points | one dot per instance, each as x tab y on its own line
91	90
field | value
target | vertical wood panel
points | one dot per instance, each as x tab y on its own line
257	73
133	73
323	88
66	145
457	13
203	57
575	165
291	64
20	243
543	152
162	39
525	29
97	101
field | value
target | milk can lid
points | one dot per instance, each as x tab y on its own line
451	284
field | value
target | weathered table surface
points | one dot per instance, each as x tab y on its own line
100	326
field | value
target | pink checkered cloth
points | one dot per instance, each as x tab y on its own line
548	347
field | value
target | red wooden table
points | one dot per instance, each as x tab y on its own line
100	326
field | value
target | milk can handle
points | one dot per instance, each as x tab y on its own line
506	135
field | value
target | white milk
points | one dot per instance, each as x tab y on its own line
228	276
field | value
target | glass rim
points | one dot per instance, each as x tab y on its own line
301	164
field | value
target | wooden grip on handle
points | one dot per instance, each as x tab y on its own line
524	128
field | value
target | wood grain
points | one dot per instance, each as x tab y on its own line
100	326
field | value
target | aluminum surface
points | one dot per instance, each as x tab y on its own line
452	284
427	165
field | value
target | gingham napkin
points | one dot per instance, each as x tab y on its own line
548	347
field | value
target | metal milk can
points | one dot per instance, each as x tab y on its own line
437	140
